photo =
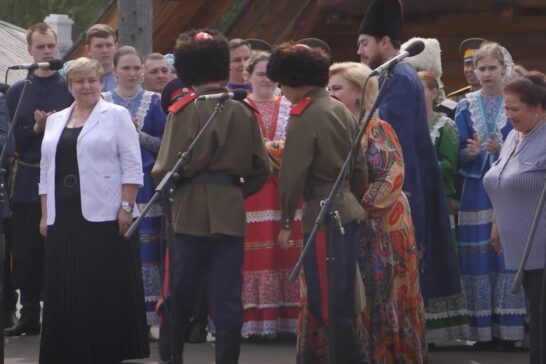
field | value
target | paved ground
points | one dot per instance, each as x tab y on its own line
25	350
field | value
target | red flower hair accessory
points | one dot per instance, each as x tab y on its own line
203	36
301	46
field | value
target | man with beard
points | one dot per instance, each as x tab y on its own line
403	107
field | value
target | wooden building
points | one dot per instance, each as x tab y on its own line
519	25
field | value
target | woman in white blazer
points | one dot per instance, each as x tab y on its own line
90	173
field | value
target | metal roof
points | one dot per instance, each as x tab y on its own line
13	50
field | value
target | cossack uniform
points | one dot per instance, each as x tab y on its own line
319	136
228	163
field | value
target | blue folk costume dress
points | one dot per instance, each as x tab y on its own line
145	107
403	107
493	311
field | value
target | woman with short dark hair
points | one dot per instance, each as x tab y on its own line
514	184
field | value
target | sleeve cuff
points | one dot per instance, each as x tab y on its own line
42	189
286	223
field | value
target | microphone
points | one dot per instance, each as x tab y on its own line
54	65
413	49
235	95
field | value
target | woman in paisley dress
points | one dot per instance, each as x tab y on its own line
270	302
446	318
149	120
393	322
496	316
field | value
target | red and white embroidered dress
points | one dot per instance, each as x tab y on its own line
270	302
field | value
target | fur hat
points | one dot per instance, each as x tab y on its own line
383	17
430	59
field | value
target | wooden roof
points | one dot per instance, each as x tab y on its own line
519	25
13	51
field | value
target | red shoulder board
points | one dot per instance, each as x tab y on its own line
180	104
250	104
300	107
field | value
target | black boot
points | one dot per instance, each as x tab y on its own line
10	320
228	347
27	325
166	343
348	348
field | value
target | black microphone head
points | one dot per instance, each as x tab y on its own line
55	64
415	48
239	95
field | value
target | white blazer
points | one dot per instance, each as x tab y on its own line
108	153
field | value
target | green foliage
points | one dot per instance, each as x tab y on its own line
24	13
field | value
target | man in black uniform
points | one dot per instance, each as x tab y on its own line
46	94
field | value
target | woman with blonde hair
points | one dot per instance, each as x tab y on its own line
496	315
393	323
90	173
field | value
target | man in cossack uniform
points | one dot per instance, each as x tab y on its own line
319	135
228	163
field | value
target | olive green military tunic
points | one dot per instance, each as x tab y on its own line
232	146
319	135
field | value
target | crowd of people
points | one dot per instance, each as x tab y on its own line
421	247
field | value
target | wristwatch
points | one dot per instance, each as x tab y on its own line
127	206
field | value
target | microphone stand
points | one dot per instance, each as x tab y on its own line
332	218
3	189
172	176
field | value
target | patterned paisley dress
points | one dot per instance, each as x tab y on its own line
394	319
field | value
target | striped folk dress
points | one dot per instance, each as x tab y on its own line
494	312
270	303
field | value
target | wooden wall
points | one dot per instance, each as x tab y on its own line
523	33
521	28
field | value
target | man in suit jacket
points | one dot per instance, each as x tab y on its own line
208	214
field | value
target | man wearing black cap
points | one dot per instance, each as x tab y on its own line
466	50
403	107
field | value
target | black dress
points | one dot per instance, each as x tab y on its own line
93	296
